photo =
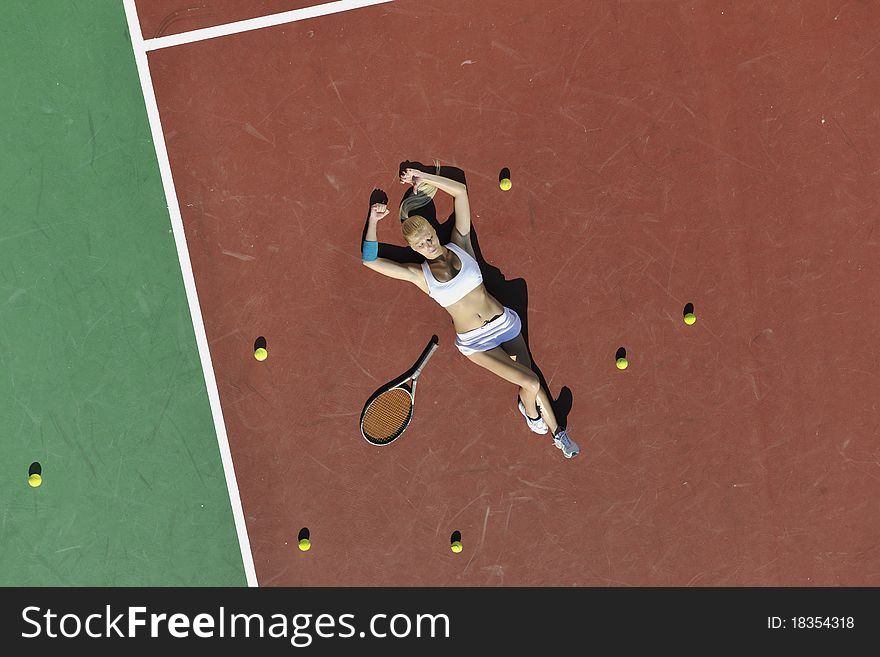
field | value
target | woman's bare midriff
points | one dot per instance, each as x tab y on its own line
475	309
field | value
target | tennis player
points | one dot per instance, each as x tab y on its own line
487	333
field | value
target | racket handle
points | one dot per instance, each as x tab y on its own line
432	347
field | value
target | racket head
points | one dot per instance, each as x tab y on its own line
387	415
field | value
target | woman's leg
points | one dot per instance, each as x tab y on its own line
517	350
499	362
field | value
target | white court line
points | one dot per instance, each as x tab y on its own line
140	55
257	23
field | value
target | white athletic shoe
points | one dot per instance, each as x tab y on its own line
567	445
538	426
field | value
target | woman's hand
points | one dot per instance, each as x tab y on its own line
378	211
410	176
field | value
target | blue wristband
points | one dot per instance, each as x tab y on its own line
370	251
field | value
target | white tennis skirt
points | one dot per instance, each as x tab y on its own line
501	329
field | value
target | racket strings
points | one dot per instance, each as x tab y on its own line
387	415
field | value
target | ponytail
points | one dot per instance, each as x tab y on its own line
421	196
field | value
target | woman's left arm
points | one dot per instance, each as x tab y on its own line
457	190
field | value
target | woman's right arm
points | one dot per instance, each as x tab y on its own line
407	272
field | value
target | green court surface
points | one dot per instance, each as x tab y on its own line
100	378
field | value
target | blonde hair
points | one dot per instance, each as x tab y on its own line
413	225
422	195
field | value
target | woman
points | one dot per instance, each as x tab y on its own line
488	334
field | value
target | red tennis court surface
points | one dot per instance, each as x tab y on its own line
721	153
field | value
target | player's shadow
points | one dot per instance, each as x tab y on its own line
511	293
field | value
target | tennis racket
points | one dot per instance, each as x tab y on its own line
389	410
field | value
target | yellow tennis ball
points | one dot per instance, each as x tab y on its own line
690	318
456	547
261	354
622	363
304	544
505	184
35	480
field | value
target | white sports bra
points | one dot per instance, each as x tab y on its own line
466	280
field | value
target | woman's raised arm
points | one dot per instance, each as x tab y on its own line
370	249
457	190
